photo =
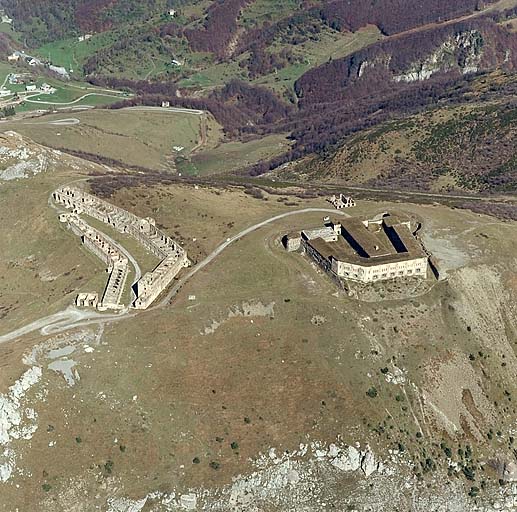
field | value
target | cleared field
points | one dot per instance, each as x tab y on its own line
212	75
230	156
72	53
266	11
140	138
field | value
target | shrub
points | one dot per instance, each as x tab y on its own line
474	491
372	392
108	467
469	473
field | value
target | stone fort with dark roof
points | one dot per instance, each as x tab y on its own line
366	250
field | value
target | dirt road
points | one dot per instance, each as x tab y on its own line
73	317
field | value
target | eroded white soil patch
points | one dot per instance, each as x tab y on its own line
249	309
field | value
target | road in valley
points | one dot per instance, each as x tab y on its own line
170	110
77	100
70	121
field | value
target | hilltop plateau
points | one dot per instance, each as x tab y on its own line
259	386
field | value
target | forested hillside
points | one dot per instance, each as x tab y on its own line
464	143
42	21
320	70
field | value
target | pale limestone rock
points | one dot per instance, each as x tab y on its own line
368	463
188	501
293	477
348	460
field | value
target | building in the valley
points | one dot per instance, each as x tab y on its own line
341	201
47	89
366	250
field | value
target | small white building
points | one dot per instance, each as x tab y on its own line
14	57
31	88
6	19
48	89
172	13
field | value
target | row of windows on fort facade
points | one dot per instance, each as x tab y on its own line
385	274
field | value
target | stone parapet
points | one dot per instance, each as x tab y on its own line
144	230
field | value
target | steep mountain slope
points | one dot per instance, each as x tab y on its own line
261	387
253	34
469	146
46	20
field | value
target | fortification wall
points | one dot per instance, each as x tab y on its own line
173	256
115	287
368	274
155	282
107	252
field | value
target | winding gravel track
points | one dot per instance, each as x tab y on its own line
170	110
69	121
29	99
233	239
73	317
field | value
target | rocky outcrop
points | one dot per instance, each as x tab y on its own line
461	48
461	52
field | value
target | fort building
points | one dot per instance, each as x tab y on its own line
116	262
87	300
173	257
292	241
366	250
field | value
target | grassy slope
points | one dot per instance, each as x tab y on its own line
133	137
230	156
72	54
316	376
45	264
